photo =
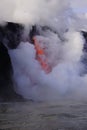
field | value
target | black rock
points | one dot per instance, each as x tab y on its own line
85	38
10	37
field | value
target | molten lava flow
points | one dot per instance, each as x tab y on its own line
40	56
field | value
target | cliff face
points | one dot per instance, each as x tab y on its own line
10	36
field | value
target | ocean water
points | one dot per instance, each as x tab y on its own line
57	115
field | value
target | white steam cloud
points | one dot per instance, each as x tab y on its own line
64	50
26	11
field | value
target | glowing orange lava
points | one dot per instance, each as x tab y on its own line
40	56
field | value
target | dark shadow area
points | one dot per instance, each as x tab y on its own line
10	36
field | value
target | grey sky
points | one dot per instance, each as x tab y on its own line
79	3
79	6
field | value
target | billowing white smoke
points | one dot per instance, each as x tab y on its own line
64	50
31	12
32	82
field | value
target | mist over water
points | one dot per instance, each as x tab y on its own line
63	49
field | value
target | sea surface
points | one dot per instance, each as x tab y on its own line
56	115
